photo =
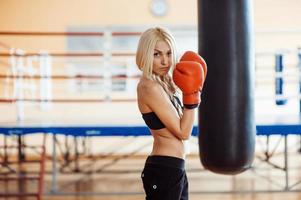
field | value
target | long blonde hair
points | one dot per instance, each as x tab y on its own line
145	58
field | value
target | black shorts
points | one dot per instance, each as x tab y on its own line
164	178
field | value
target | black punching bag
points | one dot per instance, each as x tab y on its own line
226	115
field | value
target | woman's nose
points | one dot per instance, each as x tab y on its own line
164	60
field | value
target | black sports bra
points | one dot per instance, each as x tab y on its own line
153	121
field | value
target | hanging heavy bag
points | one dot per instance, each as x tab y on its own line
226	114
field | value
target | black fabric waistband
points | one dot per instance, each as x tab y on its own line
167	161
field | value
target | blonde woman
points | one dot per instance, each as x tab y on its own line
170	123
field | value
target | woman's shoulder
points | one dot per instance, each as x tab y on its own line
148	86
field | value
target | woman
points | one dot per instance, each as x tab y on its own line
164	175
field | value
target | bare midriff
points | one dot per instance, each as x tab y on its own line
166	144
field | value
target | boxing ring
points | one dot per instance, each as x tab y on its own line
39	72
268	129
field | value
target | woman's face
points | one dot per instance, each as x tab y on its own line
162	58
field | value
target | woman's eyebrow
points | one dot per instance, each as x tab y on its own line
162	51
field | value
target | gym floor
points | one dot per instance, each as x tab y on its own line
122	175
112	177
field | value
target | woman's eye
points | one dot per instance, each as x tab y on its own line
169	53
156	54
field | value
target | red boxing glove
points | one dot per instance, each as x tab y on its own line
192	56
189	77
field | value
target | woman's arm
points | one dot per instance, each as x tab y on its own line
158	101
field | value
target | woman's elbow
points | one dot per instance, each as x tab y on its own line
183	136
